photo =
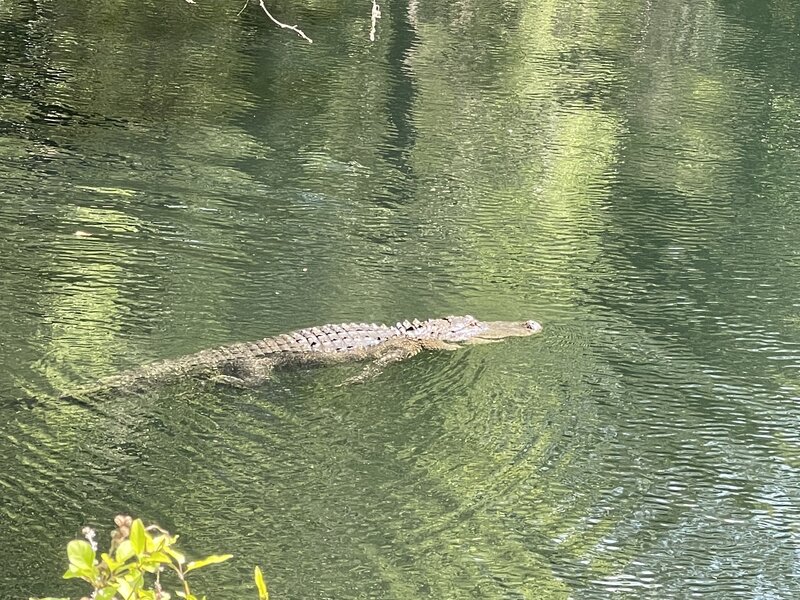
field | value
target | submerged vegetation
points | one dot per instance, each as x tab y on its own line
138	564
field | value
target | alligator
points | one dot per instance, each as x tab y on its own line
250	364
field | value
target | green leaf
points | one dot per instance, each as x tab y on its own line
109	562
178	556
130	586
81	554
74	572
263	594
135	577
138	537
124	551
158	543
107	593
208	560
48	598
125	589
158	558
71	573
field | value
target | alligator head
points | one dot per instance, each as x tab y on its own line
470	330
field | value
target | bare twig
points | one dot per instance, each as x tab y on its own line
376	14
294	28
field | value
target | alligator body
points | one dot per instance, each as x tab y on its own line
250	363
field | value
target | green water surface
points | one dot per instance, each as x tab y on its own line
175	176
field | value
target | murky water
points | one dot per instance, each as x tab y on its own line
174	177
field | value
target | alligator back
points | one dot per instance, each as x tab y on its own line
347	337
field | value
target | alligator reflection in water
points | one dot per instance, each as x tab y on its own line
250	363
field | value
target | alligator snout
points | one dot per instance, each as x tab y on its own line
534	326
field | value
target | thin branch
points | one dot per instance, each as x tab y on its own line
294	28
246	2
376	14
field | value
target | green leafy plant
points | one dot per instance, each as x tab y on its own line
132	568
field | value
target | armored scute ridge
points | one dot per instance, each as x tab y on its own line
250	363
